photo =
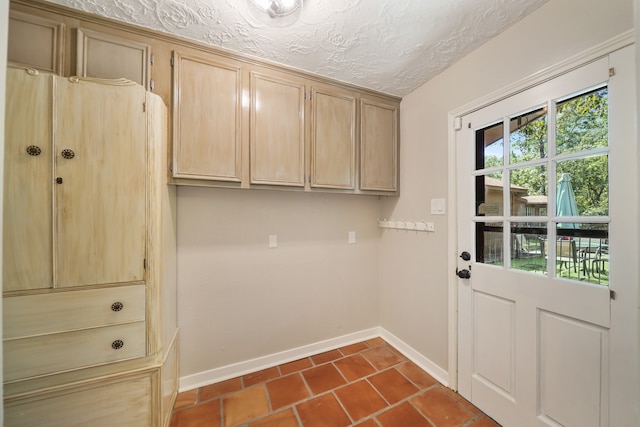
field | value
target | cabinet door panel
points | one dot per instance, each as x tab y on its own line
277	131
35	42
110	403
379	146
27	208
108	57
101	208
333	140
207	119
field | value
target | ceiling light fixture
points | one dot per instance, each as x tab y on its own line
277	13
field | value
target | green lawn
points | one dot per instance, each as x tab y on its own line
538	265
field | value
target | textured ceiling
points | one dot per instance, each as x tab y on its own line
392	46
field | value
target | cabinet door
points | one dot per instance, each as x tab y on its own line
101	200
124	401
379	145
35	42
27	208
333	146
207	115
277	130
109	57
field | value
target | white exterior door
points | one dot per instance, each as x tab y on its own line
538	339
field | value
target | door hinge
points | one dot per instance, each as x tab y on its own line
144	263
612	72
152	59
612	294
172	61
144	107
152	85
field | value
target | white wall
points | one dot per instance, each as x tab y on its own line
239	300
4	24
413	267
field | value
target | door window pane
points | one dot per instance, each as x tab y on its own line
528	241
582	252
489	243
490	146
529	191
528	136
582	122
489	190
587	180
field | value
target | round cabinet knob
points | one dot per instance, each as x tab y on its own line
67	153
117	306
117	344
34	150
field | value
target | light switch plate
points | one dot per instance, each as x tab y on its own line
438	207
352	237
273	241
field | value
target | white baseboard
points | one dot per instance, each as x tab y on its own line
237	369
410	353
223	373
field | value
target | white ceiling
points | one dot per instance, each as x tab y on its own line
392	46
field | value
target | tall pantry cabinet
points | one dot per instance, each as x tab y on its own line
89	320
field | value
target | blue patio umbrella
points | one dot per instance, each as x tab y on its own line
566	201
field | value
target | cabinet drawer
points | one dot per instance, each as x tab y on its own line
28	357
30	315
122	403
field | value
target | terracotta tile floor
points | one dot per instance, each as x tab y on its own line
368	384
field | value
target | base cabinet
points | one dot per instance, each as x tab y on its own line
89	319
124	402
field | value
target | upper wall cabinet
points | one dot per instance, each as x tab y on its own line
277	130
207	113
105	56
379	145
35	42
237	124
333	138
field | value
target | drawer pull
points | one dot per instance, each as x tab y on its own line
117	344
117	306
67	153
34	150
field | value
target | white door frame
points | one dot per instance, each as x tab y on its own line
454	123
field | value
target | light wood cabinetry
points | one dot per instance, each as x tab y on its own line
333	139
287	130
121	402
207	115
237	122
106	56
27	227
105	158
90	232
35	42
277	130
379	145
89	254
